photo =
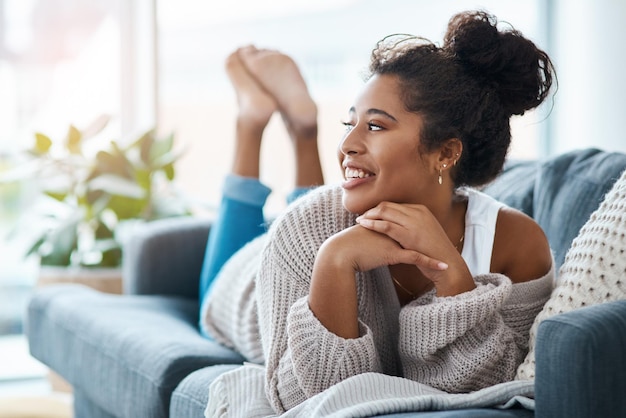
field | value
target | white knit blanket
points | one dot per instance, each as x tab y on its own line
240	393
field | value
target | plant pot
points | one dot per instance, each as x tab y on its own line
108	280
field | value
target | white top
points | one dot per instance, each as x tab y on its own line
480	230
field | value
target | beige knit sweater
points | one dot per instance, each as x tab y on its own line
456	344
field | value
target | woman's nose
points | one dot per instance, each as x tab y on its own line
351	143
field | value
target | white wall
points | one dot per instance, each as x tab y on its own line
587	47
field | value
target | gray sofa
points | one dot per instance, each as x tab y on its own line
140	354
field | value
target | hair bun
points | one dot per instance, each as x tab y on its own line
519	72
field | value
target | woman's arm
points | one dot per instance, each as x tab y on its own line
302	356
333	296
472	340
520	249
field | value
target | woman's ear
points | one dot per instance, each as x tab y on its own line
450	152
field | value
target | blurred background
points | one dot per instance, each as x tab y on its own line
159	64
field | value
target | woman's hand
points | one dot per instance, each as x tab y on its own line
415	228
365	249
333	297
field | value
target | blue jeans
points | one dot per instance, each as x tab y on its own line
239	220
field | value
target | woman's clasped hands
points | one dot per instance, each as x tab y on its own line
419	240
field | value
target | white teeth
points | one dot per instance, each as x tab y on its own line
351	173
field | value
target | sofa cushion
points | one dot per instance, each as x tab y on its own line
581	362
568	188
594	268
126	353
515	186
84	407
560	192
192	394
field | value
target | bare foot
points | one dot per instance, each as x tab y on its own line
279	75
256	106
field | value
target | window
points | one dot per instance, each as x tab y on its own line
60	64
64	62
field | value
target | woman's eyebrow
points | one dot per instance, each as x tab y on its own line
380	112
374	111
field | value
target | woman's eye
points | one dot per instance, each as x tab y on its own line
348	126
370	126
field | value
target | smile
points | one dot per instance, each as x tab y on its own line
355	173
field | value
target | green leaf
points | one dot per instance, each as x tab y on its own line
102	231
161	147
169	207
111	257
56	258
42	144
92	196
146	147
169	171
60	196
35	247
127	208
111	163
117	186
62	241
169	158
143	178
137	143
73	141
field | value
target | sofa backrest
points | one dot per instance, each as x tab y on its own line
560	192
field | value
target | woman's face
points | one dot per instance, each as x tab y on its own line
379	153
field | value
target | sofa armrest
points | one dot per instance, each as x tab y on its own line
581	363
165	257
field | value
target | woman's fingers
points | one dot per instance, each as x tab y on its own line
389	211
377	225
412	226
396	226
422	261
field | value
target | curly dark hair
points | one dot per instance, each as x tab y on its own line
468	88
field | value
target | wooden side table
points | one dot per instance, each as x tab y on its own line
101	279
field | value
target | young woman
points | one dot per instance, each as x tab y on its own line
405	269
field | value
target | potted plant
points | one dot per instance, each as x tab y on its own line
91	195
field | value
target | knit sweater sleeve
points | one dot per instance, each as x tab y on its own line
302	357
473	340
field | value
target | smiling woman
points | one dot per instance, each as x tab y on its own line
404	269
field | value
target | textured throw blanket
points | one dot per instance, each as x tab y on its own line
240	393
